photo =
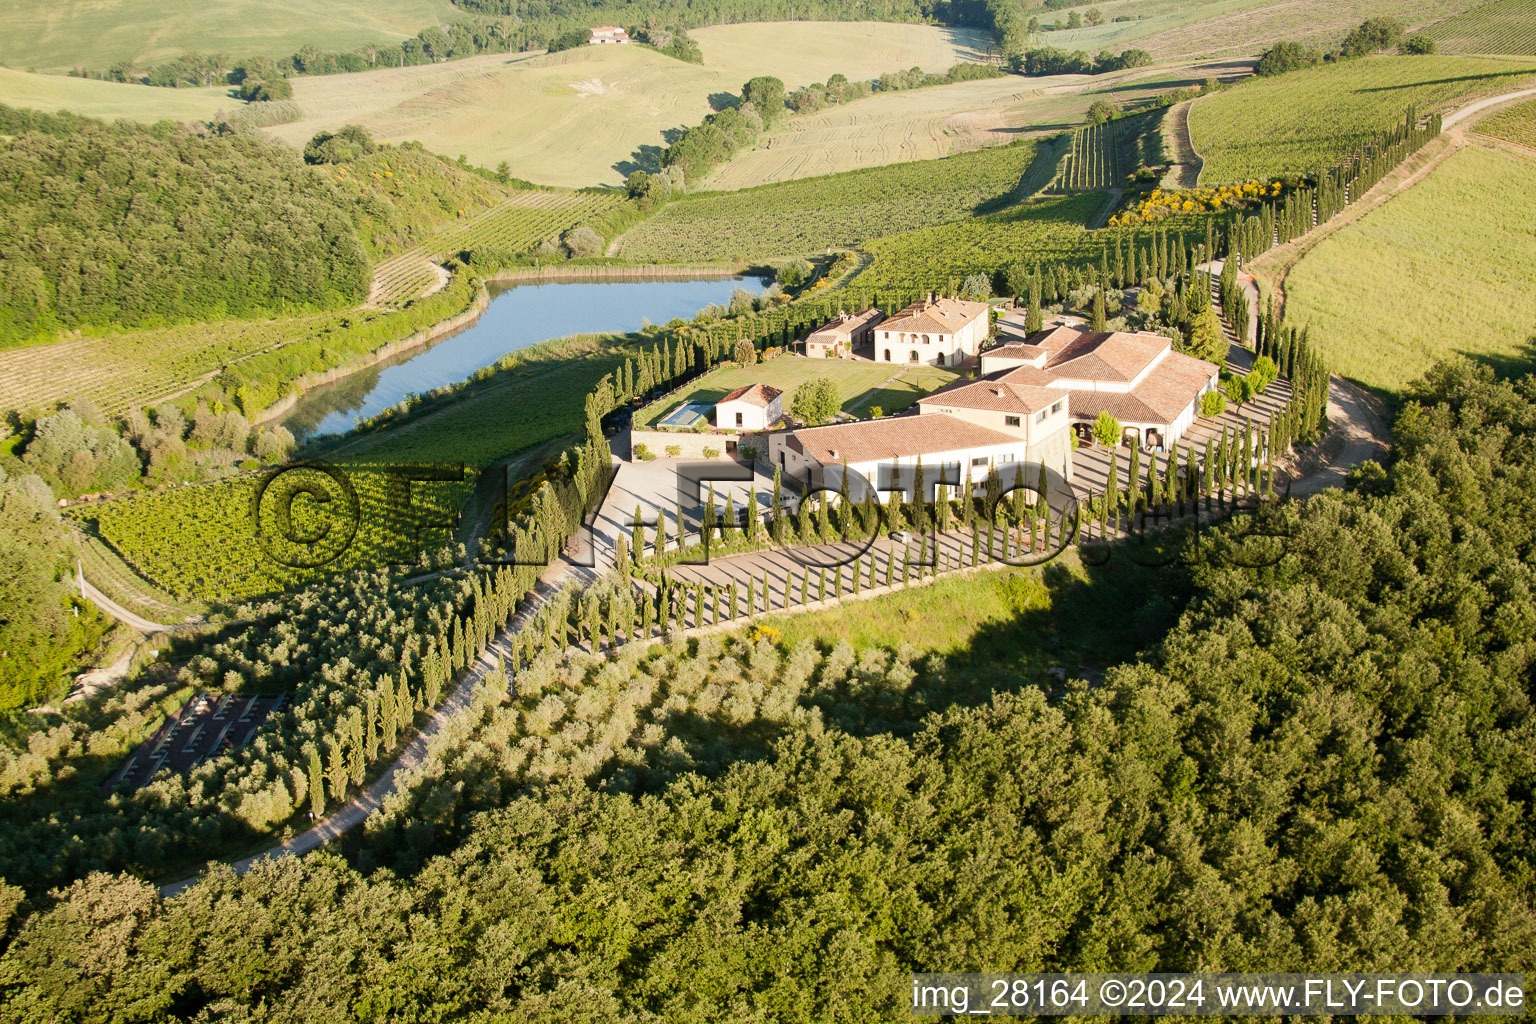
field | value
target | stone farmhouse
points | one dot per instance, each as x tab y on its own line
753	407
935	331
607	35
842	334
1136	377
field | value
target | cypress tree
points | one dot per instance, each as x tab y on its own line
708	535
751	595
638	535
752	525
1207	471
1171	490
805	582
1098	306
371	716
1133	482
1034	319
316	783
355	766
336	770
777	506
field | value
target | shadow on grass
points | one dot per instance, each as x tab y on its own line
1518	73
1510	365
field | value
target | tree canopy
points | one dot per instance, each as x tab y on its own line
119	224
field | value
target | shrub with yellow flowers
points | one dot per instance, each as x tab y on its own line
1159	204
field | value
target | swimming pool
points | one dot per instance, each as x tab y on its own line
686	415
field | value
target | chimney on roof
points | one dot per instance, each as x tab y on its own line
998	392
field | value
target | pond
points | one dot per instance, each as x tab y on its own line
519	315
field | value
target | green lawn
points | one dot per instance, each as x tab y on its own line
1304	120
1446	267
855	380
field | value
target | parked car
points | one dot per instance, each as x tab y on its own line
901	536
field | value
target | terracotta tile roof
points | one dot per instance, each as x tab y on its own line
995	394
941	316
1161	398
753	394
896	437
1114	356
845	324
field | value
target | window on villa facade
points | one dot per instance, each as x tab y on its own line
979	462
1012	421
1056	408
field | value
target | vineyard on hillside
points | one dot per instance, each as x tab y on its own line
1093	162
803	217
200	542
1047	230
1517	125
512	228
1299	122
1504	26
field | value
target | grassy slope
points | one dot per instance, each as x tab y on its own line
1235	29
806	216
1516	124
855	380
1296	122
78	32
1443	268
569	118
110	100
1007	623
1504	26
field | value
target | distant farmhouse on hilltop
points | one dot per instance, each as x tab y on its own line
607	34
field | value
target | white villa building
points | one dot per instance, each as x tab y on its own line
885	452
1136	377
938	332
607	35
753	407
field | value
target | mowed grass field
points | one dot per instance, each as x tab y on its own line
590	115
940	121
1240	28
859	384
1308	119
1445	267
112	100
97	33
1516	124
804	217
1504	26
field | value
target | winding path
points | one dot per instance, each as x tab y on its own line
89	591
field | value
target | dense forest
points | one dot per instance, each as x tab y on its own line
1326	764
121	225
